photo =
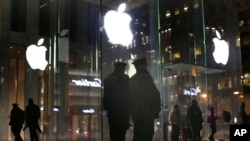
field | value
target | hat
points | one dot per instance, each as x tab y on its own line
120	64
15	104
141	61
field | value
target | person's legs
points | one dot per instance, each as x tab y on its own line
33	134
112	134
16	131
38	128
121	134
192	131
165	132
213	131
112	129
175	132
195	131
117	133
19	138
143	129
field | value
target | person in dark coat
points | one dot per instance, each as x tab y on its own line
145	102
32	116
17	117
195	120
175	122
243	114
116	102
211	120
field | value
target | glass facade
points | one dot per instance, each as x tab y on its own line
177	38
192	70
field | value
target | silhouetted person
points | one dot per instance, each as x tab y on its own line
145	102
226	116
175	122
195	120
17	117
116	102
243	114
165	113
32	114
211	120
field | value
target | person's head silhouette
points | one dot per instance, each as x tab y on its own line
242	105
120	66
30	101
140	64
194	103
15	105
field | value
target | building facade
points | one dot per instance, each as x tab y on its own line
178	38
244	7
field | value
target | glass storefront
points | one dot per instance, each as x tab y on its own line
177	38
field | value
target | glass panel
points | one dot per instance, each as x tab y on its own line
18	15
144	44
189	34
176	38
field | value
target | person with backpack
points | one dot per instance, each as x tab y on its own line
195	120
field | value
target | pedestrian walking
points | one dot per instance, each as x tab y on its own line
116	102
243	114
175	122
32	116
195	120
165	114
145	102
17	117
211	120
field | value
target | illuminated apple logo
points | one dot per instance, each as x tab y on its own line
221	49
117	26
36	55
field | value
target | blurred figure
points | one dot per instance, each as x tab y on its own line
175	122
243	114
17	117
211	120
195	120
145	102
165	114
32	115
116	102
226	116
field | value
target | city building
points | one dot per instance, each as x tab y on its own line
192	49
244	8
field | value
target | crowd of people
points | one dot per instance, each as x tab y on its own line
125	98
138	98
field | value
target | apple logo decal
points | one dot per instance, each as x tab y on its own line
221	49
36	55
117	26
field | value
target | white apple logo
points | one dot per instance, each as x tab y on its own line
221	49
117	26
36	55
